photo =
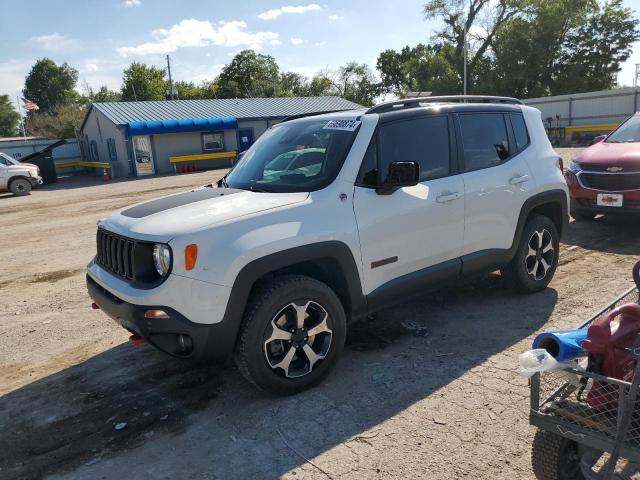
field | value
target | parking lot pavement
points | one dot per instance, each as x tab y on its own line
427	390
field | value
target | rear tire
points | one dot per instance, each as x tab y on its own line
277	350
555	458
20	187
536	257
582	217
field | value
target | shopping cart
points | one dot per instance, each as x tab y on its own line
588	424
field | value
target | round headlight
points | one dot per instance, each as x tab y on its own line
162	258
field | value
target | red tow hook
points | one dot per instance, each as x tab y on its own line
136	340
95	306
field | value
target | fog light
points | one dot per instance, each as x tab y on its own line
156	315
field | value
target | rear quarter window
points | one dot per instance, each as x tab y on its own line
520	131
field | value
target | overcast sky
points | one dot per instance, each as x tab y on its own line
101	37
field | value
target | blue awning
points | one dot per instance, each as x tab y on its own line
154	127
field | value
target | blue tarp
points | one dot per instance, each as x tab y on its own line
154	127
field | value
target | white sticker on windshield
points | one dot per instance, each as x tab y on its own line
346	125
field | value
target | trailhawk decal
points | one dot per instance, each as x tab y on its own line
344	125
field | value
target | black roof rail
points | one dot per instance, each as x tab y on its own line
313	114
416	102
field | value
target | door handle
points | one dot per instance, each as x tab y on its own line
518	179
448	197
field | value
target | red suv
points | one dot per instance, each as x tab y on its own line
605	178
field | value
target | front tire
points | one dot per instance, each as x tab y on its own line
536	259
20	187
291	336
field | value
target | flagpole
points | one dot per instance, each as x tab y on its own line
22	120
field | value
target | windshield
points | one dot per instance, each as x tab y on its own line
295	157
628	132
7	160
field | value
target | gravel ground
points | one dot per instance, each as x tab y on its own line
443	400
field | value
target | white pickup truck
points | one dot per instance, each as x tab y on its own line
18	178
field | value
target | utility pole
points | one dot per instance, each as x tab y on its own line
171	90
636	78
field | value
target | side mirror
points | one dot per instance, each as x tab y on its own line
599	138
401	174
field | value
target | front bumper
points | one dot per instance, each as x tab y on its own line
584	200
35	181
199	342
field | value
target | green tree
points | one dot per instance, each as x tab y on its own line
421	68
321	85
526	52
104	95
62	122
482	19
50	85
562	46
9	118
141	82
188	90
250	75
357	83
293	84
595	50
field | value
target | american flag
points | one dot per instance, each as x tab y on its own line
30	105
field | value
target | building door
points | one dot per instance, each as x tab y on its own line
245	139
143	155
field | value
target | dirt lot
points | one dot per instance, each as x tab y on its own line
428	390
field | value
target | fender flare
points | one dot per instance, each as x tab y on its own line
558	197
330	250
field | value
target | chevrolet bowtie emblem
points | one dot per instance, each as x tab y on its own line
614	169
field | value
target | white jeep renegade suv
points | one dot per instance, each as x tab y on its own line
328	218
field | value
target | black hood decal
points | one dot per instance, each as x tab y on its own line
154	206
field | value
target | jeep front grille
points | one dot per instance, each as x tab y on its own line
115	254
610	182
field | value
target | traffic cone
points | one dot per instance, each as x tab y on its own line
105	175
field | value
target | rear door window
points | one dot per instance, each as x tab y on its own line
485	140
424	140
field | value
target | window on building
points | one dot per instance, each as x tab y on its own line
94	151
520	131
111	145
485	140
424	140
213	142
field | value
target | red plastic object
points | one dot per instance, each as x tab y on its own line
136	340
95	306
608	341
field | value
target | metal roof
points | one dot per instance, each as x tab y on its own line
122	113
